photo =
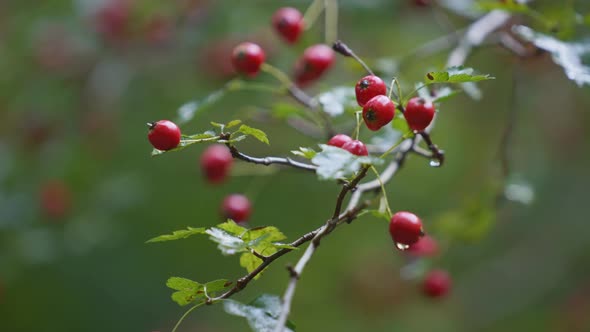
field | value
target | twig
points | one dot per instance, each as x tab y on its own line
343	49
437	153
270	160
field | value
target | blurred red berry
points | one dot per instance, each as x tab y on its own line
314	62
437	284
339	140
369	87
112	20
288	22
419	113
247	58
378	112
236	207
164	135
356	147
425	247
216	162
405	228
55	199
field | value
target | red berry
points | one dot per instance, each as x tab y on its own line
369	87
356	147
236	207
216	162
112	20
378	112
419	113
405	228
314	62
164	135
247	58
425	247
55	199
437	283
288	22
339	140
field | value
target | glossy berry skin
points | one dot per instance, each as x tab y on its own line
314	62
405	228
369	87
419	113
378	112
55	199
425	247
164	135
236	207
437	284
216	162
288	22
339	140
356	147
247	58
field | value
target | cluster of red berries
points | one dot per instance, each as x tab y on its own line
247	57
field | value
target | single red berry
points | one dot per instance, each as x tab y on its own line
405	228
419	113
425	247
55	199
314	62
236	207
288	22
356	147
339	140
247	58
216	162
369	87
378	112
164	135
112	20
437	283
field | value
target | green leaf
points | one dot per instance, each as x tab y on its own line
510	6
177	235
262	313
231	227
456	75
233	123
570	56
336	163
400	124
185	141
250	262
228	243
257	133
436	96
387	136
307	153
188	291
337	100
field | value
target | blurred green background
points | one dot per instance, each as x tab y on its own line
76	92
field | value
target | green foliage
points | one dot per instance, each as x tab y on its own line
188	291
307	153
458	74
338	100
256	133
400	124
468	224
510	6
261	314
336	163
208	136
436	96
570	56
177	235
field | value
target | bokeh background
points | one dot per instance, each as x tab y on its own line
80	194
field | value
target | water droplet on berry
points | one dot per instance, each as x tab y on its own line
401	246
434	163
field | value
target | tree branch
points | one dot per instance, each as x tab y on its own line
270	160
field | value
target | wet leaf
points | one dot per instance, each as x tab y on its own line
337	100
336	163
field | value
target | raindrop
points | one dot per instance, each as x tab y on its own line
401	246
434	163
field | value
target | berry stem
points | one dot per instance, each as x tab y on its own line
387	208
343	49
185	315
312	13
358	124
277	73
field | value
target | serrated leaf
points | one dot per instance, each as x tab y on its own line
456	75
177	235
337	100
231	227
188	291
256	133
336	163
570	56
250	263
233	123
261	314
307	153
228	244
